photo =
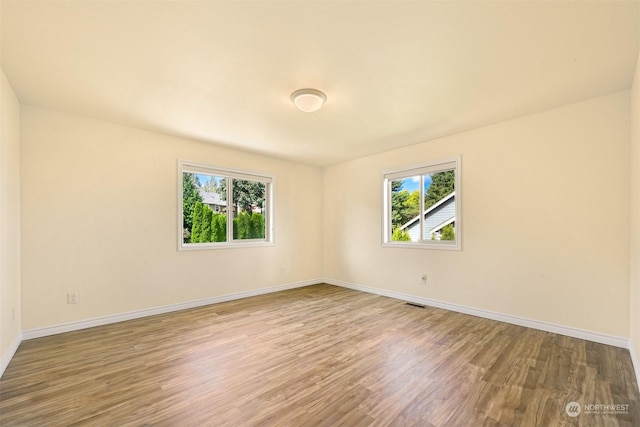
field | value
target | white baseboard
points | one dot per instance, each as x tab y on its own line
120	317
529	323
10	353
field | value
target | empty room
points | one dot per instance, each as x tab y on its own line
319	213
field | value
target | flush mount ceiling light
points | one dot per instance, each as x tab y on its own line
308	100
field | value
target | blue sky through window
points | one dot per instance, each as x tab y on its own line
412	184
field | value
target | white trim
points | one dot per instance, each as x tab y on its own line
246	243
529	323
386	211
10	353
120	317
204	169
445	245
268	180
424	168
515	320
455	163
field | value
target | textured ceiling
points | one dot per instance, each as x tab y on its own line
395	73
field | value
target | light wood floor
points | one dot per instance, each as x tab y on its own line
315	356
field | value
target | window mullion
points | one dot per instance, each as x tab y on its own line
421	210
389	211
230	206
267	216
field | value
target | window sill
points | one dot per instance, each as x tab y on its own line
236	245
434	246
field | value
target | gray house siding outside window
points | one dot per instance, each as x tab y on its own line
439	215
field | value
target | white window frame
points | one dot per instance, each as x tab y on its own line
267	179
422	169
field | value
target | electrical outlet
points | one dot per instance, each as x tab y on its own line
423	279
72	298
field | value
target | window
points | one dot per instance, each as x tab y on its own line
422	206
223	208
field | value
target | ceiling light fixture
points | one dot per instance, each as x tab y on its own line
308	100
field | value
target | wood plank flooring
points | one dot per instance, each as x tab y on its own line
314	356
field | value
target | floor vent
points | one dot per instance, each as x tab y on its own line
413	304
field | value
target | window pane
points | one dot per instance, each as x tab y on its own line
439	206
204	208
421	206
405	209
223	208
249	209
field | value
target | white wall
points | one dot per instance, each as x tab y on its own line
545	210
545	214
9	221
99	217
634	235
